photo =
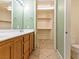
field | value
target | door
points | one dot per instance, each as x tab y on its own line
5	51
67	31
18	48
62	28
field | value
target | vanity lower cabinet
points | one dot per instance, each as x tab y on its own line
31	42
5	50
17	48
26	46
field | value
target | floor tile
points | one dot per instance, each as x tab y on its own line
48	44
45	50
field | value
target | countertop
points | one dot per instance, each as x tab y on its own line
8	34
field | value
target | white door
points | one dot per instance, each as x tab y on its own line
67	41
63	28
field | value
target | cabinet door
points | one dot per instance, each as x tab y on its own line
60	27
5	51
26	43
31	42
26	46
18	48
26	55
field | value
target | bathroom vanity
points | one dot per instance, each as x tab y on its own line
19	46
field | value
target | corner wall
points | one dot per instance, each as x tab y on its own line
75	21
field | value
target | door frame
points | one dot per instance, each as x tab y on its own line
54	25
67	26
12	15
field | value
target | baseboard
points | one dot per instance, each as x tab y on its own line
59	55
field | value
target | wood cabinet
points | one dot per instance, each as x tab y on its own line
5	51
26	46
17	48
26	55
31	42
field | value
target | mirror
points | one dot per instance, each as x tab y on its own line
29	14
11	14
5	14
17	14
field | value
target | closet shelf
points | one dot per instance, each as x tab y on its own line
44	18
45	8
5	21
44	28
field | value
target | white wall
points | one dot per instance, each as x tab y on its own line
75	21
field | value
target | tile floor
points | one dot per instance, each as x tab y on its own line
44	51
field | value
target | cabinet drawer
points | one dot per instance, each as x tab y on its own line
26	46
26	38
26	56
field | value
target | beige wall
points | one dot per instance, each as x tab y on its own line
5	15
75	21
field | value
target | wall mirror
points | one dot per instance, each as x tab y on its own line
11	14
17	14
5	14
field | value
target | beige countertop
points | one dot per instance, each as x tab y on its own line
7	34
